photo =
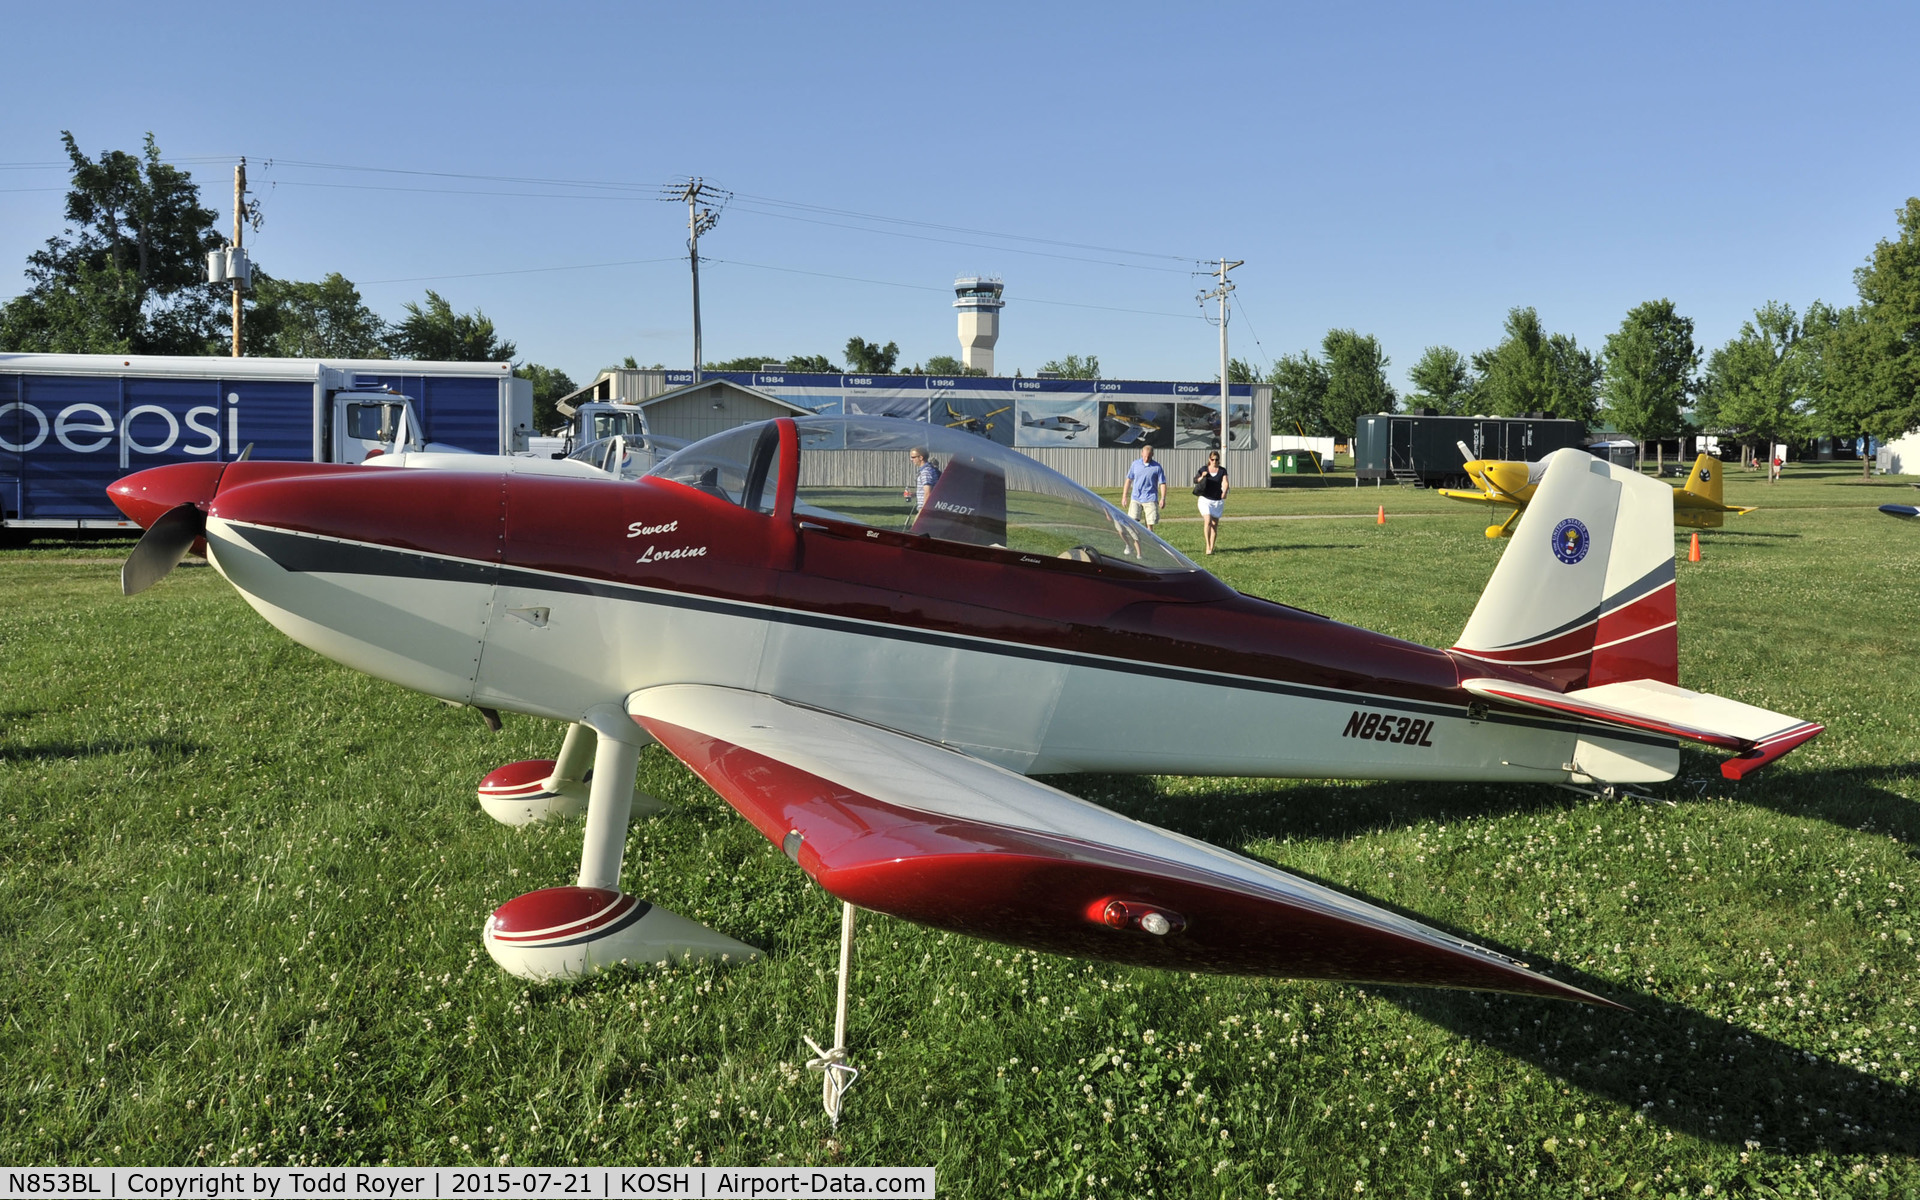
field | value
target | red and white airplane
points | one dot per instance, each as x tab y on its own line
872	685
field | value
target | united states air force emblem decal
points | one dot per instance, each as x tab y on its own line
1570	541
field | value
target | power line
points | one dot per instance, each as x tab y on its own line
953	242
640	191
921	287
631	262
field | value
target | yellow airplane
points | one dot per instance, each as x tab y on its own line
1696	504
1132	428
972	424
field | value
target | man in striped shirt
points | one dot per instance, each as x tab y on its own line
925	475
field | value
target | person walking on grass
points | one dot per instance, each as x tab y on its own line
1210	485
1145	489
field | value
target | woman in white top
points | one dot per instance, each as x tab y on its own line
1210	485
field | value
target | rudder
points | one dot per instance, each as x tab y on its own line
1584	594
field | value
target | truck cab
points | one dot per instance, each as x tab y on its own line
594	421
370	423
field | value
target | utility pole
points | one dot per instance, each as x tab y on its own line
1221	293
693	193
229	264
239	215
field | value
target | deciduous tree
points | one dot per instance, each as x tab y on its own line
1074	367
1445	381
1650	361
549	385
436	333
1533	371
291	319
1356	380
128	274
947	364
871	358
1758	385
1888	402
1300	395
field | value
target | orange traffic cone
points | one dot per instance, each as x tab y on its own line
1382	518
1693	551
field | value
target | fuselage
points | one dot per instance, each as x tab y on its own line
547	596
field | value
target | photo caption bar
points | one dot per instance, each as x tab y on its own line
491	1183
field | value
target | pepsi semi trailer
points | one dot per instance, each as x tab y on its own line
71	424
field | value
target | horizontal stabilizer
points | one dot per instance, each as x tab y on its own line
914	829
1758	735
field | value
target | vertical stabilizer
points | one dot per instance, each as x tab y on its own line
1704	482
1584	595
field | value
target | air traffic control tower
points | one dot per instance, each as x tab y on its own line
978	299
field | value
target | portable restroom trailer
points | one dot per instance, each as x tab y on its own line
1423	448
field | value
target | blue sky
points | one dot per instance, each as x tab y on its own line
1409	171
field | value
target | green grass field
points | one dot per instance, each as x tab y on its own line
241	892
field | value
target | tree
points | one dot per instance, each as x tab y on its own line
871	358
1300	394
549	385
1445	381
1356	380
291	319
1532	371
1757	385
947	364
1888	351
128	275
436	333
1239	370
746	362
813	364
1649	369
1845	362
1074	367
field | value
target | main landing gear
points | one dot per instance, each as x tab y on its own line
560	932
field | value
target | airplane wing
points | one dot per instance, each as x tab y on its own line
1130	434
912	828
1759	736
1477	497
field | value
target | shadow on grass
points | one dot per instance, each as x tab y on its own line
55	751
1680	1068
1844	796
1262	547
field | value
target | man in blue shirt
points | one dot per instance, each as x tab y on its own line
1145	489
925	475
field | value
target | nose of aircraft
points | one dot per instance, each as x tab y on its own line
146	496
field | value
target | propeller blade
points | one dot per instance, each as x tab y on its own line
245	454
161	548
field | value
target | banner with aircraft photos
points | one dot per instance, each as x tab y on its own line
1196	426
1240	425
1056	422
991	419
1130	424
889	402
1064	412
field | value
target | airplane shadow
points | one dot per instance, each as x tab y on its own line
1679	1067
1676	1066
52	751
1263	547
1844	796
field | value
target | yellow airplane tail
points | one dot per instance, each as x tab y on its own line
1704	482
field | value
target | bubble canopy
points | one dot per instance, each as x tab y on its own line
857	471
